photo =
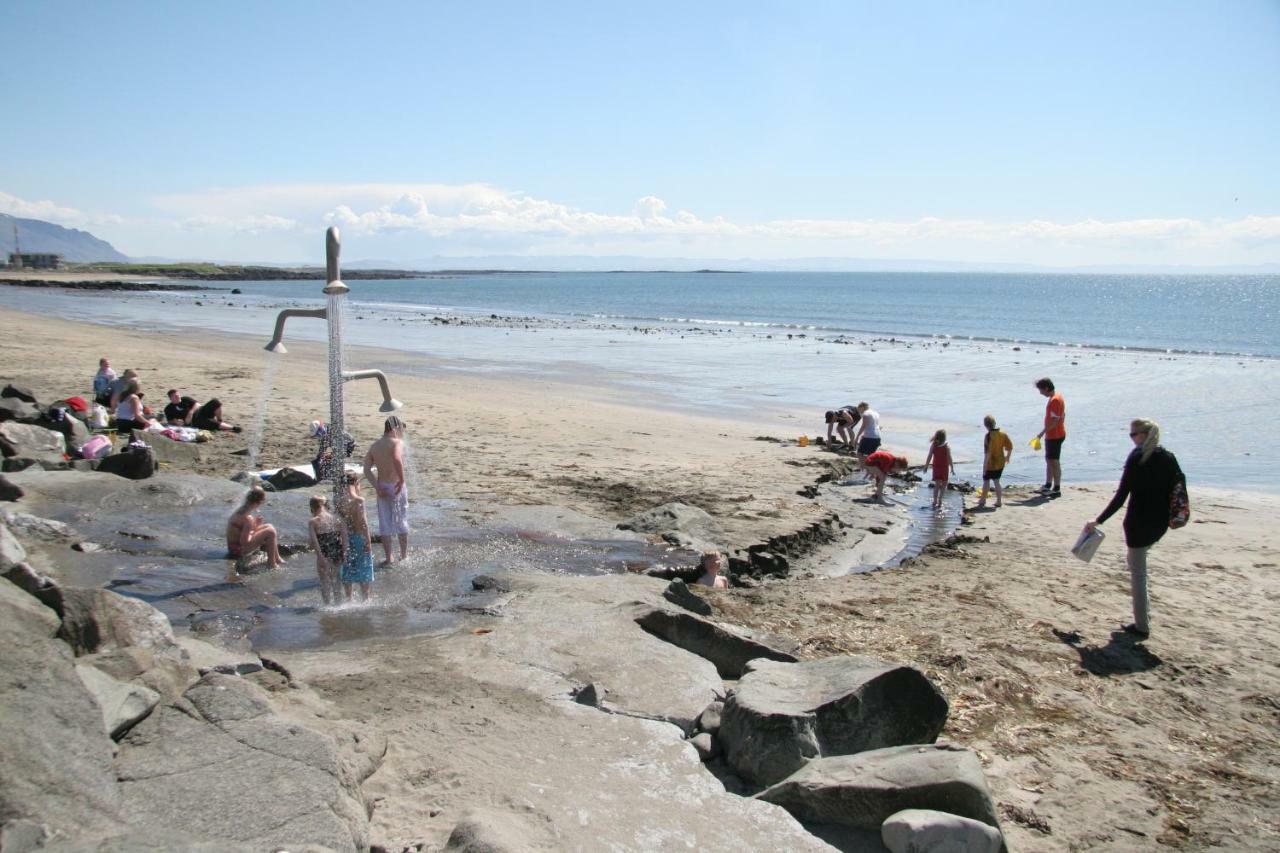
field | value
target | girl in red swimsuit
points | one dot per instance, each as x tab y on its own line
943	466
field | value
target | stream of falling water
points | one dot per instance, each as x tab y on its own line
257	429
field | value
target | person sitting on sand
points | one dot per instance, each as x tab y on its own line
102	382
209	416
944	467
868	436
180	410
387	456
118	386
713	564
130	413
842	421
357	567
879	464
247	533
997	450
329	540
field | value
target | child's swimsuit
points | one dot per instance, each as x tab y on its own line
330	546
359	565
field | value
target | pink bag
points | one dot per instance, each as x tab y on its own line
96	447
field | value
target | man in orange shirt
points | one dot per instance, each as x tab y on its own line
1054	433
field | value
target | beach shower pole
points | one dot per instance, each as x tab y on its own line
336	292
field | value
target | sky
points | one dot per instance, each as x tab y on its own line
1059	134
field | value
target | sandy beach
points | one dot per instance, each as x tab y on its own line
1089	739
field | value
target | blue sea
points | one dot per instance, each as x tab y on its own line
1200	354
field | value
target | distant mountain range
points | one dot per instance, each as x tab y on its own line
35	235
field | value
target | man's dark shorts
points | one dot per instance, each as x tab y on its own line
1053	448
992	474
867	446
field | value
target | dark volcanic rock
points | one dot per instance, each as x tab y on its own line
782	715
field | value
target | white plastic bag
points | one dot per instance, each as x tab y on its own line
98	417
1087	543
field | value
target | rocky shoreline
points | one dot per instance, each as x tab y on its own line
106	284
173	732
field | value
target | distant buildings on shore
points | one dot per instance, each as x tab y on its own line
34	261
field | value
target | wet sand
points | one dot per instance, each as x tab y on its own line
1090	741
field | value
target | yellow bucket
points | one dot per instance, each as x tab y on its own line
1035	443
804	441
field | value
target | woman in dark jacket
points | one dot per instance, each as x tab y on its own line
1150	474
209	416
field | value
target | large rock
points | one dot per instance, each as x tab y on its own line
13	409
782	715
679	594
9	491
677	523
123	704
132	464
18	392
491	831
864	790
94	619
28	614
24	441
11	551
33	583
60	420
34	527
575	630
55	766
181	454
730	652
166	670
925	831
221	763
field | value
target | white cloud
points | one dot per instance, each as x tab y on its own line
262	224
46	210
478	218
